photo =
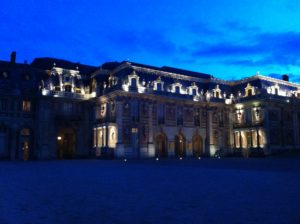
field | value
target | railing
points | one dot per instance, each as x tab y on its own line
65	94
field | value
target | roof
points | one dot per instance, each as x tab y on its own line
174	70
47	64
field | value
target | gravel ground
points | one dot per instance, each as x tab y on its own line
227	190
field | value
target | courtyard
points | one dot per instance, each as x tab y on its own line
226	190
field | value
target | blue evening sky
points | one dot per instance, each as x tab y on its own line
229	39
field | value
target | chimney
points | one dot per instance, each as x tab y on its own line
285	77
13	57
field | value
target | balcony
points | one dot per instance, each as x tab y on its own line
61	94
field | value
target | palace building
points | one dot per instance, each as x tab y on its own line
56	109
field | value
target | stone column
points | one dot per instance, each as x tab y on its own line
241	140
267	149
14	150
209	135
234	141
119	151
296	129
257	138
151	148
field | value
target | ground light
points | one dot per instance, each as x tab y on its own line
180	158
199	157
125	160
157	159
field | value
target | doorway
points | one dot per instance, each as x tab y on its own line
197	145
180	145
161	149
66	143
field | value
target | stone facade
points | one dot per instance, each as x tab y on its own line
55	109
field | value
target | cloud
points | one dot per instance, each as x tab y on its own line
261	49
200	28
147	41
240	27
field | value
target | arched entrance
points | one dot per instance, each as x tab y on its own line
25	144
66	143
161	149
180	145
197	145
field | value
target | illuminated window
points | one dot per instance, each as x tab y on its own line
26	106
57	88
249	92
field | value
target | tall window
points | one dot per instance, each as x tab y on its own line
177	89
26	106
67	108
3	104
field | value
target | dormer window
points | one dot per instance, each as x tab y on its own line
133	82
249	90
274	89
133	79
193	89
68	88
158	87
177	88
194	92
217	92
158	84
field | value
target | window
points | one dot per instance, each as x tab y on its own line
68	88
194	92
57	88
3	104
159	87
67	107
26	106
4	75
177	89
249	92
276	91
26	77
133	82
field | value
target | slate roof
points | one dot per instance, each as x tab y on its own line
47	64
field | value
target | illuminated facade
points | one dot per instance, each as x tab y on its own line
57	109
